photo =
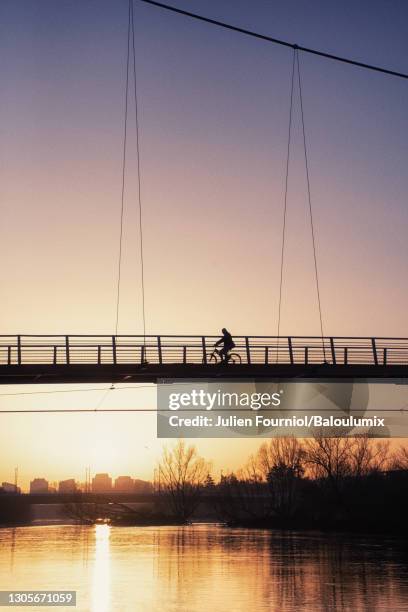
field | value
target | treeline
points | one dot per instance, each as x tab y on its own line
321	483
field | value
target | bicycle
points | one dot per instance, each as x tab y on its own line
215	357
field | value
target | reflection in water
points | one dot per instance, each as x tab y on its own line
205	567
101	570
12	546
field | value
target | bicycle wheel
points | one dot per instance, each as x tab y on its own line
235	358
212	358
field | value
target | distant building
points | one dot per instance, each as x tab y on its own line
142	486
10	488
39	485
124	484
67	486
101	483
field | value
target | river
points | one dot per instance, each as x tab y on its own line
204	567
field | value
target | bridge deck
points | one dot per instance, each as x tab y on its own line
104	359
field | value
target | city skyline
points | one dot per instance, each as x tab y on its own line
99	482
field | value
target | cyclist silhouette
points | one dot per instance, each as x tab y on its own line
228	343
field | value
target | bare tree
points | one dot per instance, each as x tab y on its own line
329	458
269	482
282	461
368	456
252	471
183	474
286	452
340	457
400	459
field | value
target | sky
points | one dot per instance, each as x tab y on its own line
213	110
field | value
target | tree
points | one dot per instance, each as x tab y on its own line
285	453
183	475
400	459
282	460
367	456
329	458
242	496
338	458
273	476
209	483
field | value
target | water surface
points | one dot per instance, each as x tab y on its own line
204	568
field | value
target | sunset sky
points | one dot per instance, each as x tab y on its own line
214	109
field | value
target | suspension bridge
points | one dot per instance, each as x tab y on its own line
27	359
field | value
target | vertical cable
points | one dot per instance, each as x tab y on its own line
123	178
310	204
122	200
285	206
138	175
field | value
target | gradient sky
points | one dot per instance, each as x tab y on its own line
213	119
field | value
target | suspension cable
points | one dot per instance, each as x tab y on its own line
310	203
123	178
131	45
276	41
138	174
285	205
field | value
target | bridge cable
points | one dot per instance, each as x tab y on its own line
122	201
131	49
138	175
122	198
285	205
310	203
276	41
123	178
130	33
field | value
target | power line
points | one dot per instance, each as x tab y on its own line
159	411
264	37
111	388
65	410
19	393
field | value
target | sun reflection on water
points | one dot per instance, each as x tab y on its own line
101	571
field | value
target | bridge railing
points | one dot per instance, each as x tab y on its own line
100	350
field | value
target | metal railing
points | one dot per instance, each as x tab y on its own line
267	350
